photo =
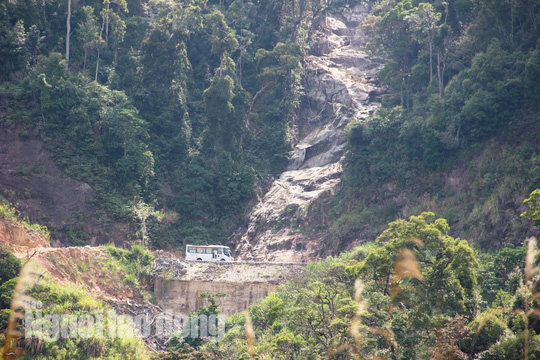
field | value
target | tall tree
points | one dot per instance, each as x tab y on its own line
68	33
423	21
107	14
223	38
88	32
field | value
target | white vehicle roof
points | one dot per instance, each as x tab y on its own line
223	246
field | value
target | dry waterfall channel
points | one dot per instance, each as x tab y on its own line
340	83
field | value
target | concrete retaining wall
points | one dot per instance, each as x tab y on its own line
181	296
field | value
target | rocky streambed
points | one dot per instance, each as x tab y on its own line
340	83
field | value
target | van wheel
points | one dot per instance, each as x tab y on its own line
222	260
199	259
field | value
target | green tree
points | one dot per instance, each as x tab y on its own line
10	266
125	136
223	38
12	40
88	32
195	322
422	305
423	21
533	204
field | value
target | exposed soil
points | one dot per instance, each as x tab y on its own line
20	240
89	267
30	178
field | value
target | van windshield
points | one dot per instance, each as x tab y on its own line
226	252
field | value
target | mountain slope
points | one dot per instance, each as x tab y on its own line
340	83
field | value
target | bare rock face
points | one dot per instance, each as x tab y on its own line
340	83
29	177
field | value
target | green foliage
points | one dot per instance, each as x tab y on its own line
189	344
311	317
223	38
136	264
10	266
460	89
71	299
399	312
184	352
203	88
489	328
499	271
533	204
217	98
10	212
445	263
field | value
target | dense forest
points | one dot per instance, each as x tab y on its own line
459	135
170	109
178	114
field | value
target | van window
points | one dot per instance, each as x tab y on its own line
208	250
192	250
200	250
219	251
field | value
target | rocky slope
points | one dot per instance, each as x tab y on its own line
30	178
340	83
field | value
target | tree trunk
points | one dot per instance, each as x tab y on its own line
107	25
512	7
43	12
221	66
402	82
97	64
293	17
430	59
239	67
99	49
439	74
532	16
68	33
441	65
259	94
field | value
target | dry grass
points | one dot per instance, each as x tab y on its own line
405	267
357	320
28	276
250	336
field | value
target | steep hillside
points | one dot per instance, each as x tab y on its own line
256	113
91	268
341	83
19	239
460	134
30	177
172	113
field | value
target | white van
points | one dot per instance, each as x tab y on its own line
208	253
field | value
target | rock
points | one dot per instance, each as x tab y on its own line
337	27
340	83
356	15
297	158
